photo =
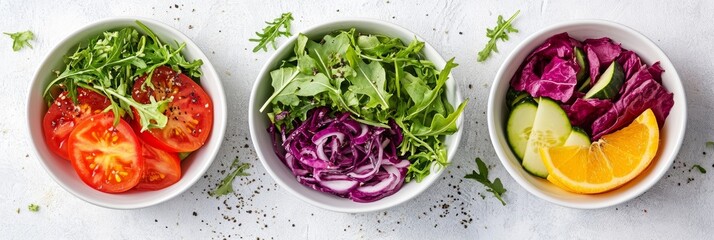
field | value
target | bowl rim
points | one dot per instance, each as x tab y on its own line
219	100
534	190
289	43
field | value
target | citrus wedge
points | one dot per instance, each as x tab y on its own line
608	163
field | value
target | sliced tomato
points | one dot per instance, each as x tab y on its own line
106	157
190	112
163	168
63	116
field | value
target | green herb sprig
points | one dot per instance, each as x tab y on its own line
21	39
33	207
226	185
700	168
278	27
499	32
481	176
110	63
377	79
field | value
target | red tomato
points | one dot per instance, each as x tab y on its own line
190	112
163	168
106	157
63	115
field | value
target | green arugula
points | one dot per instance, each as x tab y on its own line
499	32
481	176
33	207
21	39
377	79
110	63
700	168
272	31
226	185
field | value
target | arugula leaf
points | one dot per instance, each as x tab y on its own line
441	125
431	95
481	176
272	31
32	207
700	168
21	39
110	62
370	82
499	32
282	79
226	185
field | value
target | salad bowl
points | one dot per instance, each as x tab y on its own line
192	168
671	133
259	121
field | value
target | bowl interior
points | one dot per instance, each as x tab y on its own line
61	170
671	134
259	122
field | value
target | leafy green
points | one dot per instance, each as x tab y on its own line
481	176
377	79
499	32
226	185
700	168
110	63
272	31
33	207
21	39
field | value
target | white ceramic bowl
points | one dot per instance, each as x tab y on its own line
259	122
62	172
671	135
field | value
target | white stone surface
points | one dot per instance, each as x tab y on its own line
675	208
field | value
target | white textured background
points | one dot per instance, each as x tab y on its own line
678	207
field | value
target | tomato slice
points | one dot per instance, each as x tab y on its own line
190	112
63	116
106	157
163	168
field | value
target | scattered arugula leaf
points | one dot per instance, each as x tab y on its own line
272	31
481	176
110	62
499	32
21	39
226	185
33	207
700	168
710	144
377	79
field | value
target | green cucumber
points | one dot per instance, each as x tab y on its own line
578	137
518	127
585	86
609	83
551	128
580	58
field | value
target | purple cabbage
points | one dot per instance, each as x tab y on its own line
600	53
341	156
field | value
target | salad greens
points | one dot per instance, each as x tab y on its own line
700	168
499	32
33	207
226	185
21	39
376	78
481	176
109	63
272	31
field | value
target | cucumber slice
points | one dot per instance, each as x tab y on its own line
551	128
578	137
514	97
608	85
580	58
519	125
585	86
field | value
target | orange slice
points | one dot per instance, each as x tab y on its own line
610	162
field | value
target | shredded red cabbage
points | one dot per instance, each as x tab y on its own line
341	156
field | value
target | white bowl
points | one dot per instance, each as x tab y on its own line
62	172
671	135
259	122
